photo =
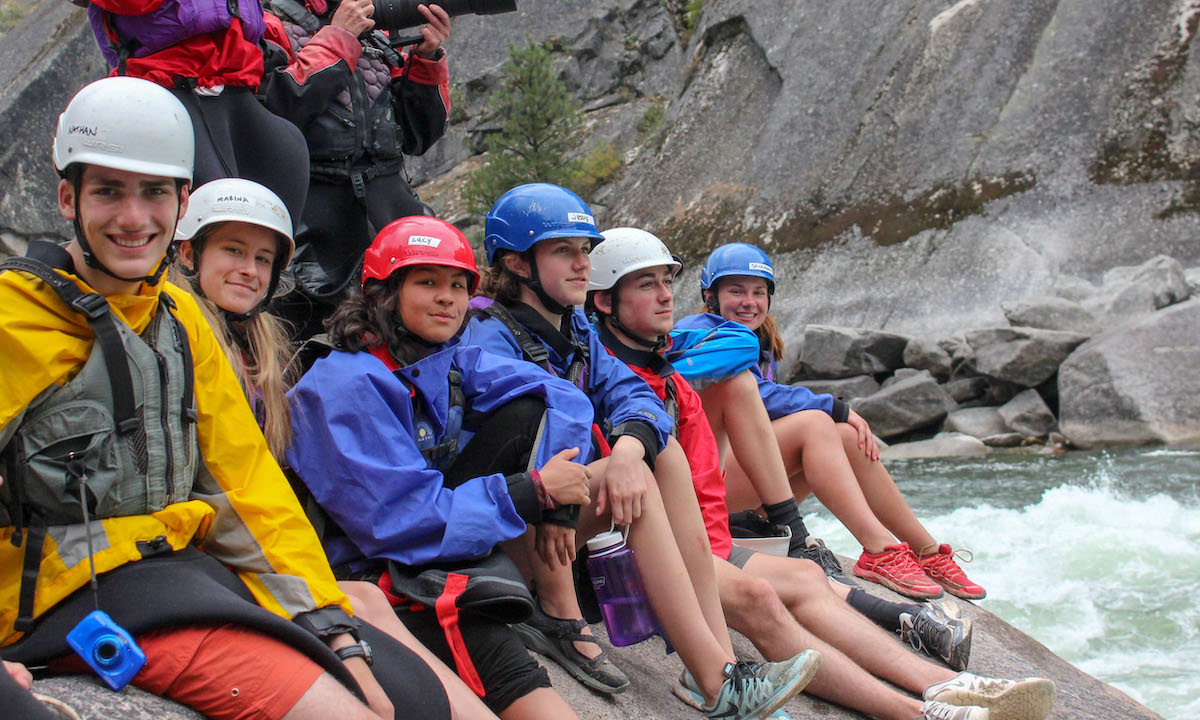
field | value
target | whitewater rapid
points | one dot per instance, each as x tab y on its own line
1096	555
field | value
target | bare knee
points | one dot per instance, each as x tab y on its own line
803	581
751	603
329	698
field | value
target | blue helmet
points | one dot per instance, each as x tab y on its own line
737	259
528	214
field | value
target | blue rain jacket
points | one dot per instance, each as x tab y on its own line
780	400
619	397
355	447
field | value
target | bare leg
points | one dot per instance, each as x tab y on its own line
812	450
667	580
756	611
328	698
540	704
741	424
809	599
674	477
371	605
884	497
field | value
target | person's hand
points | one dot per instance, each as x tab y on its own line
565	481
354	16
377	699
19	673
555	543
435	31
866	438
624	481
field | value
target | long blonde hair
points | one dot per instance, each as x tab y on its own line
260	350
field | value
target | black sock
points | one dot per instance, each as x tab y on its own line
884	613
788	513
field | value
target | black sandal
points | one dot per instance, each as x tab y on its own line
556	637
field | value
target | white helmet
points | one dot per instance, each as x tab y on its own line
623	251
127	124
238	200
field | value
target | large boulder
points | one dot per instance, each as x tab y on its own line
1135	290
944	444
1023	356
838	352
1163	276
1050	313
1193	279
913	403
1136	383
1069	287
844	388
978	422
1028	414
925	354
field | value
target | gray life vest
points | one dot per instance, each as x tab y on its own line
124	427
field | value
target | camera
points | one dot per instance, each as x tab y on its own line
393	14
107	648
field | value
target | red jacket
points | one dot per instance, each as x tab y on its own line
693	432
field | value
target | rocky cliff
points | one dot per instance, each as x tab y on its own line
911	165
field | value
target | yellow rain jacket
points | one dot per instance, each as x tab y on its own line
249	519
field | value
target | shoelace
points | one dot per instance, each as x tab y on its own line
943	562
750	683
823	556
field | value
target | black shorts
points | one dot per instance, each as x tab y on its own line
495	657
739	556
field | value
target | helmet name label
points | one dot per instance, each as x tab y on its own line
424	240
232	198
578	217
83	130
762	267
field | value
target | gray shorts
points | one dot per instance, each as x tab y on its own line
739	556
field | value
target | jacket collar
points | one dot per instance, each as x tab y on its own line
652	361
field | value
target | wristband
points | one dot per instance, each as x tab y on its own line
544	499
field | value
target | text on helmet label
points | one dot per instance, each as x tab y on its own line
424	240
581	218
763	267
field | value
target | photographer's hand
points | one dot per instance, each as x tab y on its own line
435	31
354	16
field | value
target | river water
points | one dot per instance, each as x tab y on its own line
1096	554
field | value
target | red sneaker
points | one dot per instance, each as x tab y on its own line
942	569
897	568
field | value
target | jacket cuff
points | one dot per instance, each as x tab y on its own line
564	515
840	412
342	43
644	433
327	621
428	72
523	493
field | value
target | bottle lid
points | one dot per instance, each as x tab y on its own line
605	541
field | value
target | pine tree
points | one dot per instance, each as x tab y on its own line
537	117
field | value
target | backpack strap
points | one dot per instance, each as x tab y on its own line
295	13
443	454
188	401
534	351
95	308
671	402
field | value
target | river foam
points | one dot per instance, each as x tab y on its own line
1103	567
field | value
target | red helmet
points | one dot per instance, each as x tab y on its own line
418	240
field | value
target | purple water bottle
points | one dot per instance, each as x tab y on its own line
627	614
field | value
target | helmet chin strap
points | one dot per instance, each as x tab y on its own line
535	284
654	345
90	259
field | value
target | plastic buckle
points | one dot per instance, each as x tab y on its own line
93	305
359	184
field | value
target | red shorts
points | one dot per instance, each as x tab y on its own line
225	672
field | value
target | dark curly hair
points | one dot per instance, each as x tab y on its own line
371	317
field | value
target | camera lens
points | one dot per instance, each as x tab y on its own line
107	650
403	13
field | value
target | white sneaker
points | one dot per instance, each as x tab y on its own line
1028	699
934	710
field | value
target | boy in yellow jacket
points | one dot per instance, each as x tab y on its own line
117	406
